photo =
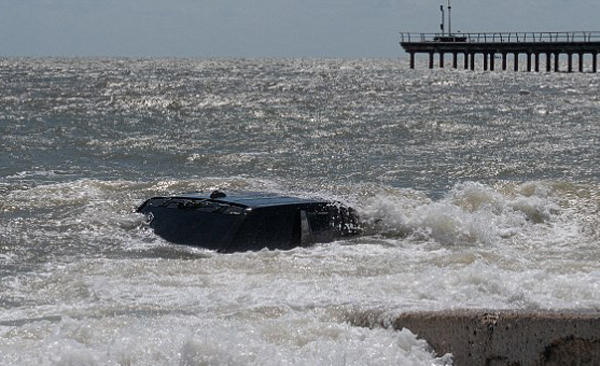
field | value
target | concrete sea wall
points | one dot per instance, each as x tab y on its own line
507	338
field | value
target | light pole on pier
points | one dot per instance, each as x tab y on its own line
443	18
449	19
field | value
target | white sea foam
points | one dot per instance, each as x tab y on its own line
189	340
192	307
470	214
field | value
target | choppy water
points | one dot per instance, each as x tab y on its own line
481	190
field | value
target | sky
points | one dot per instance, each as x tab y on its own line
263	28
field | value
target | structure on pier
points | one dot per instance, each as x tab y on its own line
534	45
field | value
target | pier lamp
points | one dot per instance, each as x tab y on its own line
443	18
449	19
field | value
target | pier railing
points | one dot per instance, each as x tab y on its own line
503	37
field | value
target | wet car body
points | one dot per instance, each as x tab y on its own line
249	221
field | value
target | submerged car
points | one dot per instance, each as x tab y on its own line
248	222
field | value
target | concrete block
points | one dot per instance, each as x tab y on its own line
509	338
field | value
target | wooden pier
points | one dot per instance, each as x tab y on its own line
537	47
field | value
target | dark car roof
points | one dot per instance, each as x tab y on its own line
254	200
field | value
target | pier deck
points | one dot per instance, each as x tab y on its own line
534	45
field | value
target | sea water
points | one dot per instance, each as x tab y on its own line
478	190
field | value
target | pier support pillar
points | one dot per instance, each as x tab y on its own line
431	60
570	62
472	57
516	61
466	61
504	55
485	61
455	60
548	62
528	62
412	60
581	62
442	60
537	62
492	61
557	62
594	62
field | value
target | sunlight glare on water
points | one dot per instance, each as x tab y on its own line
477	191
